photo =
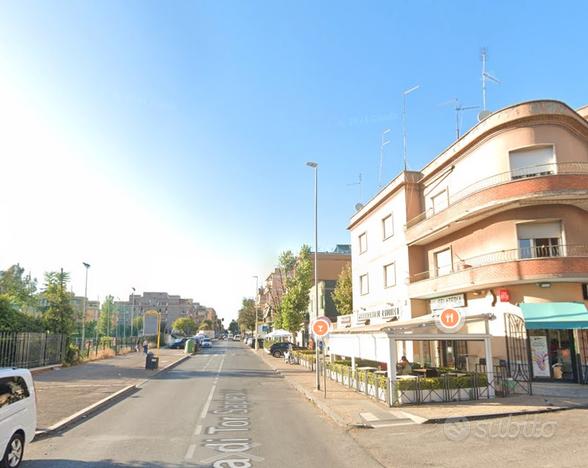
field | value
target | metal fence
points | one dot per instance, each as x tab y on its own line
31	349
94	346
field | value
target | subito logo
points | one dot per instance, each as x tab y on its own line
450	320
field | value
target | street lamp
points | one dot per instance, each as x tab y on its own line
314	165
133	311
87	265
255	306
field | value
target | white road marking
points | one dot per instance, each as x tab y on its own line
208	402
369	416
198	430
190	451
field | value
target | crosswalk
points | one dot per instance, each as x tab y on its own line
389	418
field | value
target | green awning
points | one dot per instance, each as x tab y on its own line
555	315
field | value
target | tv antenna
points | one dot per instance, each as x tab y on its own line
383	143
360	183
485	77
405	93
458	110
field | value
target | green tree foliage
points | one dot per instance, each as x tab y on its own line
12	320
234	327
205	325
59	313
295	300
185	325
343	293
18	288
106	318
286	266
137	325
246	318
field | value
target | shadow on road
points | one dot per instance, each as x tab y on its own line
56	463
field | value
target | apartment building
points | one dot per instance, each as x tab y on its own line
494	227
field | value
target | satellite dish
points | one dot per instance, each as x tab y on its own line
359	206
484	115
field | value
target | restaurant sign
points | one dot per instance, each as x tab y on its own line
382	314
457	300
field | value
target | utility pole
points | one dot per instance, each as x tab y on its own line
133	311
256	346
87	266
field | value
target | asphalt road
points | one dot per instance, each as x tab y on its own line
221	408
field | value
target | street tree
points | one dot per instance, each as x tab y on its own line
18	288
205	325
296	299
234	327
106	318
285	271
343	293
185	325
246	318
12	320
59	312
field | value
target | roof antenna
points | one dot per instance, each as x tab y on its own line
360	183
458	110
405	93
485	76
383	143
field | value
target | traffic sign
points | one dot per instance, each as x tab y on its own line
450	320
321	326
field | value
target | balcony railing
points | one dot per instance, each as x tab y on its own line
566	168
502	256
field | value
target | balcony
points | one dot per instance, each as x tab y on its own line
535	184
542	263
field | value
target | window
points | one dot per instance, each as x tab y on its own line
12	389
387	227
364	284
532	162
390	275
440	201
539	240
443	263
362	243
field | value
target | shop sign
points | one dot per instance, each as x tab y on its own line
457	300
540	356
450	320
343	320
504	295
383	314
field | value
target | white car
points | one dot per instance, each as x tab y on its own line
18	415
206	343
237	338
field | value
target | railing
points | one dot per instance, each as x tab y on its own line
526	253
567	168
31	349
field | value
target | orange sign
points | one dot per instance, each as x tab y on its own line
321	326
450	318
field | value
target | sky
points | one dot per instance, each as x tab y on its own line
165	143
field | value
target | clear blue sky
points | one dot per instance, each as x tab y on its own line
181	129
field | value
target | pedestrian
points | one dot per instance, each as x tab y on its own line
405	367
145	346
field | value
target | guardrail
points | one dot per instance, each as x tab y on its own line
501	256
566	168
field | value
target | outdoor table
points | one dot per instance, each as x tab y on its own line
420	371
407	377
370	369
381	372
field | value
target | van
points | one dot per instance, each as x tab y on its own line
18	415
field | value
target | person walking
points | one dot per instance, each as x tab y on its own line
145	346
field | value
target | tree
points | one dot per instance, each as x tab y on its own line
138	324
246	317
185	325
59	313
343	293
234	327
285	270
205	325
18	288
12	320
106	318
295	300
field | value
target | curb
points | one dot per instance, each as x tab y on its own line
99	405
309	396
38	370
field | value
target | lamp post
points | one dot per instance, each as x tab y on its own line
255	307
314	165
87	265
132	310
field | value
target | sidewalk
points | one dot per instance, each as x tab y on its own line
349	408
63	392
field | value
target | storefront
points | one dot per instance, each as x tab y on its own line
557	334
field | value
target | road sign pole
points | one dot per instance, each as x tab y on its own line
324	370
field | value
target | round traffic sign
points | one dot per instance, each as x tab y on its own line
321	326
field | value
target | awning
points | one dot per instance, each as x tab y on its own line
555	315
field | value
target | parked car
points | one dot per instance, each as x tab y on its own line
236	337
259	343
18	414
206	343
178	343
278	349
248	340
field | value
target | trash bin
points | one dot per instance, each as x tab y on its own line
190	347
151	361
